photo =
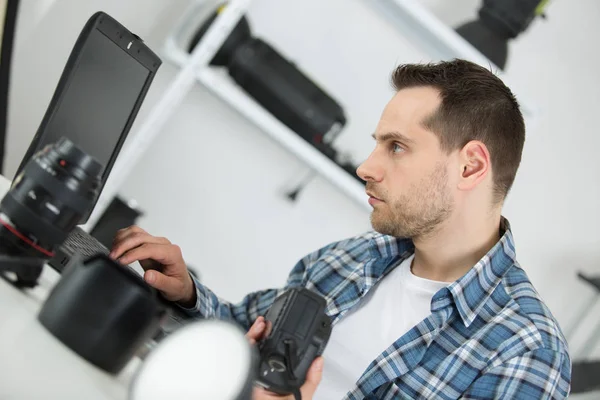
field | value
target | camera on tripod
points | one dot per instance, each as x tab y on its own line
53	193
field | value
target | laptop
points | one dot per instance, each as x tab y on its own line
98	96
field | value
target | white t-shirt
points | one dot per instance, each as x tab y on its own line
390	309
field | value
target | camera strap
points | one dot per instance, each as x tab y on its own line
290	357
297	395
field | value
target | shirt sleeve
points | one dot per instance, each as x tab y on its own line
209	305
538	374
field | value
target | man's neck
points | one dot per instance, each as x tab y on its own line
455	247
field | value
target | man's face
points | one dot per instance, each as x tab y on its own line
407	172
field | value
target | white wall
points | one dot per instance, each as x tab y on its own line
212	182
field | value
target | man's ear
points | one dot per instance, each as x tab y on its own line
475	164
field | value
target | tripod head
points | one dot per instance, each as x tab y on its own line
26	270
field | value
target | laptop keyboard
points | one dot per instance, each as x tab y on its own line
83	243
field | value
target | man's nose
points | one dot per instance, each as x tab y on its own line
370	170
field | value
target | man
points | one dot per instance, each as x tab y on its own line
433	303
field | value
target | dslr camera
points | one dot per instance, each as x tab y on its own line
297	332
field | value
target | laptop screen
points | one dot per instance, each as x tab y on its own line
99	99
99	94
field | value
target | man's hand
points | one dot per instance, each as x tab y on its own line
161	260
257	331
313	377
307	391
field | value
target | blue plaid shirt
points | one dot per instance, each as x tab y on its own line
489	334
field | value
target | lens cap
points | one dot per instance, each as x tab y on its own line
103	311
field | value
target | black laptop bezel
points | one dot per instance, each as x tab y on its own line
129	43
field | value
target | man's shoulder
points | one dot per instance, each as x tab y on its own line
512	324
531	307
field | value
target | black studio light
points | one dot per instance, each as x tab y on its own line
499	22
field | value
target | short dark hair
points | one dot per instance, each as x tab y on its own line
476	105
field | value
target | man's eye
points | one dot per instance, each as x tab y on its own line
397	148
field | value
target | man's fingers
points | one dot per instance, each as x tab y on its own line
171	287
313	378
134	239
122	233
164	254
122	236
256	330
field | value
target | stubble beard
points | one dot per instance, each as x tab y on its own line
419	212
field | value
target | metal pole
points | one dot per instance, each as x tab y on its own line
153	125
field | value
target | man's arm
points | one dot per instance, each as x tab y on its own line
165	270
538	374
209	305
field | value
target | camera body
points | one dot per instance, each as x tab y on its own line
297	332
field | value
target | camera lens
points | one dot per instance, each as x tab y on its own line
54	192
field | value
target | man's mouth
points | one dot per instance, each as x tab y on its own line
373	198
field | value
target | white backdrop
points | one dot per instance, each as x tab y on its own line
212	182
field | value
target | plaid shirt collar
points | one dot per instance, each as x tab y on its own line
469	293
